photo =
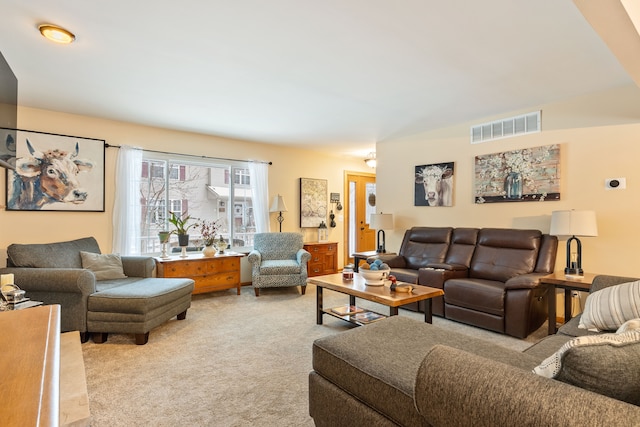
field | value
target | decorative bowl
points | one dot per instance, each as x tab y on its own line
374	277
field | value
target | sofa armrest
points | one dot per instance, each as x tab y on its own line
138	266
435	277
303	256
393	261
255	257
524	281
54	280
455	388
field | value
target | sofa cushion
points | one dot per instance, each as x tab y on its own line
50	255
104	266
281	266
505	253
486	296
607	364
609	308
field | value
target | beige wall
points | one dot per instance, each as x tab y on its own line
288	166
599	137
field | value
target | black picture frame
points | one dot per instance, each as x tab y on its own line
54	172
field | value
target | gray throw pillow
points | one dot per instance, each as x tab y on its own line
607	364
104	266
608	308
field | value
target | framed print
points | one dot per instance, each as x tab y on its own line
313	202
434	185
530	174
55	172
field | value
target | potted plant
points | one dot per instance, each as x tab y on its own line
208	230
182	229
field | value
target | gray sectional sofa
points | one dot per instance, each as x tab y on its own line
133	303
400	371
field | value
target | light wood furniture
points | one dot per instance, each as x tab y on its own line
43	378
324	258
210	274
569	284
380	294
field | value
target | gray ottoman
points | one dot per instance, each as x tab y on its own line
137	307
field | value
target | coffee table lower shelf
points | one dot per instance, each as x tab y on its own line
351	318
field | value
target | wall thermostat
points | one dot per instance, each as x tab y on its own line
615	183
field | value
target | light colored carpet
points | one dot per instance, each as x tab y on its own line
235	361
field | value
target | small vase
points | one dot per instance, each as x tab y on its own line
209	251
183	240
513	185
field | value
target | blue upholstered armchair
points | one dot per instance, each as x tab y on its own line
278	260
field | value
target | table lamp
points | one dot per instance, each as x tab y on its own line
277	205
381	222
573	223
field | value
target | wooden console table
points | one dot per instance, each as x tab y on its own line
43	377
210	274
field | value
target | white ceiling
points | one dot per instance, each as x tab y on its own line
337	74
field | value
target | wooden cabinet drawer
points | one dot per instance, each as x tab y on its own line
209	274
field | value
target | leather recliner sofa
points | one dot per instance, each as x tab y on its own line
490	276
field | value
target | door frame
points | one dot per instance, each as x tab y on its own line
345	204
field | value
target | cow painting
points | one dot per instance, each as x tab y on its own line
434	185
47	177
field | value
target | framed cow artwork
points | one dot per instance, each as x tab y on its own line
54	172
434	185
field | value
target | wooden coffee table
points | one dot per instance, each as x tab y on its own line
379	294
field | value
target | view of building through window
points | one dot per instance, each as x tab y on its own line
202	191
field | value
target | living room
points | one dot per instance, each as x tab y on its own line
597	134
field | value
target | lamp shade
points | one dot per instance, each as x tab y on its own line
381	221
277	205
573	223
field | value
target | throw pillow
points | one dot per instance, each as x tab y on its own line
608	364
608	308
104	266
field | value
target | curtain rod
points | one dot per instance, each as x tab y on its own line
192	155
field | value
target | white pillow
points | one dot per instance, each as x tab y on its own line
104	266
608	308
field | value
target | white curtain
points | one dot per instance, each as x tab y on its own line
259	173
126	209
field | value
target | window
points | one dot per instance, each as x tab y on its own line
200	189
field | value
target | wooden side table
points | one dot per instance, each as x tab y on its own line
210	274
362	256
569	284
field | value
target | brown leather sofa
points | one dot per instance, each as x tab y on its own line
490	276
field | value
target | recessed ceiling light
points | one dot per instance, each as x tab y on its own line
56	34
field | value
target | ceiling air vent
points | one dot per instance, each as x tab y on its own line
506	128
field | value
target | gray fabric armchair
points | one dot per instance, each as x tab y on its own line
278	260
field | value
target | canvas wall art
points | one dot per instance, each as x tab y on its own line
434	185
55	172
313	202
530	174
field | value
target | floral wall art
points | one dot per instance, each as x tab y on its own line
530	174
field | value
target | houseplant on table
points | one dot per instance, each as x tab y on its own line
208	230
182	230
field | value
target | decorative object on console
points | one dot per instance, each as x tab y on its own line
221	245
381	222
323	232
278	206
164	239
434	185
313	202
573	223
57	154
180	223
530	174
